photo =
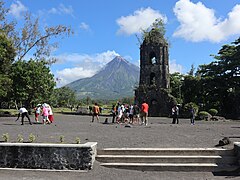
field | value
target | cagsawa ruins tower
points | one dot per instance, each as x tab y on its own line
154	81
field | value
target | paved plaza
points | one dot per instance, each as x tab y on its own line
160	133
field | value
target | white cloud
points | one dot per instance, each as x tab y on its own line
84	26
174	67
199	23
140	19
62	9
68	75
82	65
17	9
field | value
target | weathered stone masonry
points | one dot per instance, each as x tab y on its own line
154	81
48	156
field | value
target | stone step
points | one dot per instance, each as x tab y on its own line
166	159
165	151
184	167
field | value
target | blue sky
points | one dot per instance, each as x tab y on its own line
106	28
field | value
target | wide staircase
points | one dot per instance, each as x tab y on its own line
168	159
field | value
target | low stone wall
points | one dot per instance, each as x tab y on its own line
48	156
237	150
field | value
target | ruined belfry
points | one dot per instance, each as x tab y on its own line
154	81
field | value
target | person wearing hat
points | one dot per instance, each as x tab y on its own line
37	112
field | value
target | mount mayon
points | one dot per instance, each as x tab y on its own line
116	80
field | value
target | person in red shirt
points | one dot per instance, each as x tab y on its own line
144	113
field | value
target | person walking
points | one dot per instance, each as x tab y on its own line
24	113
192	115
96	112
144	113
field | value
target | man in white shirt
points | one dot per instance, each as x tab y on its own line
23	111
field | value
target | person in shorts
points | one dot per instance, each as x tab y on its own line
144	113
96	112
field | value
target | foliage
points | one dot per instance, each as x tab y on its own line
221	80
203	115
19	138
6	137
188	106
63	97
31	138
191	89
154	34
192	70
176	82
127	100
78	140
32	39
7	54
32	79
33	82
213	112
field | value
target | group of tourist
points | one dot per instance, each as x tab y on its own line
124	113
133	114
43	110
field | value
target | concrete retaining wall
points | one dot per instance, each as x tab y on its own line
237	150
48	156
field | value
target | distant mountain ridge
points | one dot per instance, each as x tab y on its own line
116	80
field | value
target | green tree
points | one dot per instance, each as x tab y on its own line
63	97
176	82
221	79
191	89
32	39
7	54
33	82
191	72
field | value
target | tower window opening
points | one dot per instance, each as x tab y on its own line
153	59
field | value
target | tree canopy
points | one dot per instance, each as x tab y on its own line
32	39
7	54
221	79
33	82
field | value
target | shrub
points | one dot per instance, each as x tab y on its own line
78	140
5	137
187	107
20	138
32	138
204	115
213	112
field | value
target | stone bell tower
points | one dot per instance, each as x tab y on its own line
154	81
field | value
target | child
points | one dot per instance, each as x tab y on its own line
37	112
